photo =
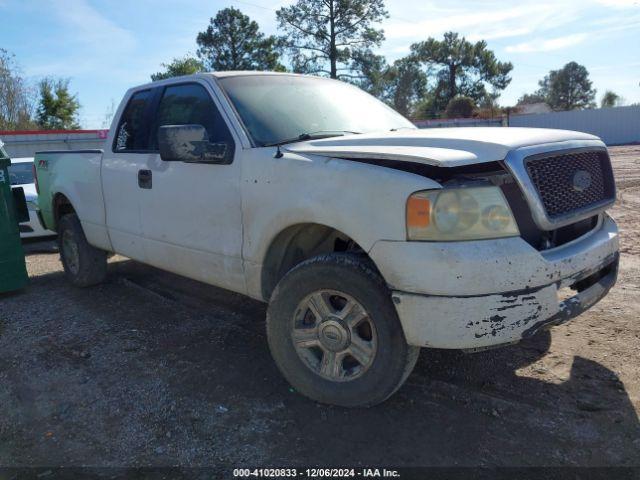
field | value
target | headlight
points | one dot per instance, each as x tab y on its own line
471	213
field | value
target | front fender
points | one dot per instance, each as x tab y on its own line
366	202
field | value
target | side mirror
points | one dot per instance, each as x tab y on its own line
190	143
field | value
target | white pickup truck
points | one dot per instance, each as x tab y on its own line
368	237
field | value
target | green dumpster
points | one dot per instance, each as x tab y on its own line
13	271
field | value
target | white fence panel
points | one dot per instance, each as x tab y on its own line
458	122
615	126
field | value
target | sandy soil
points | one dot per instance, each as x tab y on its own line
153	369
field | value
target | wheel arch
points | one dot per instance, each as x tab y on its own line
60	205
297	243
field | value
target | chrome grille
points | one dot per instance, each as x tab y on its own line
571	181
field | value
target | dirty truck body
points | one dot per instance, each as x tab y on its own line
368	237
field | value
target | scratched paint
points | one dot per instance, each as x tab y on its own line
473	322
490	320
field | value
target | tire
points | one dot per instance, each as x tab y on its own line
83	264
309	348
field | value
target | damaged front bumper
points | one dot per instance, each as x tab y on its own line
458	295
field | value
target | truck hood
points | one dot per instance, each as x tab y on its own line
446	147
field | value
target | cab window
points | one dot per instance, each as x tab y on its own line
132	133
191	104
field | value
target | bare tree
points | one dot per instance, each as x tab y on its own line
17	99
108	115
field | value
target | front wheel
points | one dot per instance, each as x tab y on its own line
83	264
334	332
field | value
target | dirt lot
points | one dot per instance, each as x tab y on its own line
153	369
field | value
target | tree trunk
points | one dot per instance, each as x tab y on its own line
333	54
234	53
452	81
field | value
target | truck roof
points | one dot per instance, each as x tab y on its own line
243	73
225	74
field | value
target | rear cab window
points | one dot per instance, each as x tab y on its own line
132	134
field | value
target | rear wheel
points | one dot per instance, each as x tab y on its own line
335	334
83	264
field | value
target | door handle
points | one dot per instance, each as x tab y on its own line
145	179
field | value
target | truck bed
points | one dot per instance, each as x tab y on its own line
77	176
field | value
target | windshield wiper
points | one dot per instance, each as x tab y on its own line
310	136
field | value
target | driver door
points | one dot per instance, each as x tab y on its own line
191	212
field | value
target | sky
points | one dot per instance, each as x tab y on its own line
107	46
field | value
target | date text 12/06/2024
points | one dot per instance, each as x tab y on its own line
316	473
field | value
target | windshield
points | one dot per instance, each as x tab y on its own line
21	173
277	108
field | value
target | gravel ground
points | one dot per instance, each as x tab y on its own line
150	369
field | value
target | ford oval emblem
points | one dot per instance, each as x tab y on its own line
581	180
331	335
